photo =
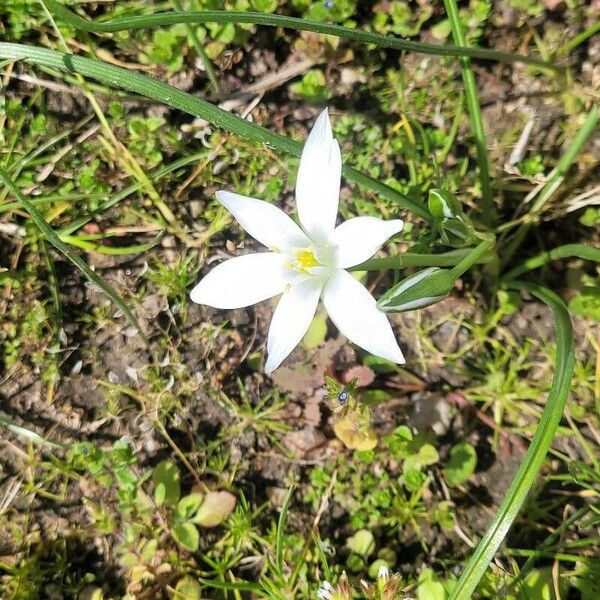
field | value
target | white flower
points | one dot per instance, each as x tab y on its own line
383	573
325	592
308	263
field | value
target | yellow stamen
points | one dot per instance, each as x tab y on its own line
306	259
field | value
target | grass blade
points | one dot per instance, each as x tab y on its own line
166	94
471	95
281	530
566	251
555	179
528	471
273	20
51	236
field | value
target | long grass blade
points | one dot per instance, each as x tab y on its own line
51	236
472	98
166	94
272	20
529	469
566	251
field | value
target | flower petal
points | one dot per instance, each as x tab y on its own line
243	281
318	182
263	221
354	312
291	319
359	238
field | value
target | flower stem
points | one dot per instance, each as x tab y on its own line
474	255
410	259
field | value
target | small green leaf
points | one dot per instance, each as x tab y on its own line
187	535
264	6
428	455
217	506
457	232
362	543
189	505
461	465
187	588
166	483
443	515
430	587
538	585
312	88
379	365
587	303
149	550
376	565
414	479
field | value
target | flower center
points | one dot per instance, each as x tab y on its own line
306	259
303	260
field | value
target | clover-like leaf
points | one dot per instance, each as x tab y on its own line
187	535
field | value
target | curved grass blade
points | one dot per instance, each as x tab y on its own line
528	471
166	94
51	236
272	20
566	251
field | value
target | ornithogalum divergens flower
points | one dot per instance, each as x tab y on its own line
305	263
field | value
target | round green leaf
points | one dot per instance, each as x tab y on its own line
462	464
187	535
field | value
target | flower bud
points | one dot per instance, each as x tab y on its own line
443	204
417	291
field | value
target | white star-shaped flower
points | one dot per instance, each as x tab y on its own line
306	263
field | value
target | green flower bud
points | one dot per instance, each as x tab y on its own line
443	204
457	232
417	291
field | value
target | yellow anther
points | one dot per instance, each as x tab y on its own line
305	259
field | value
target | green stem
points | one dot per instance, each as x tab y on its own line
549	554
208	66
579	39
566	251
408	259
529	469
166	94
487	203
51	236
474	256
555	179
272	20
